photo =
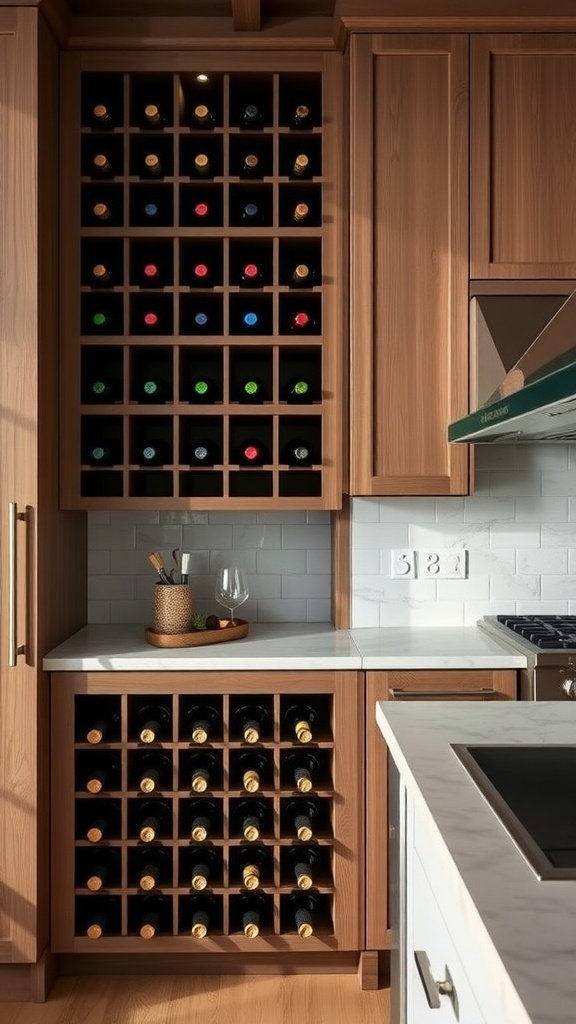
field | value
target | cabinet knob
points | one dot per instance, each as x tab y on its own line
434	989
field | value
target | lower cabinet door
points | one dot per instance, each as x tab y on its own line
437	988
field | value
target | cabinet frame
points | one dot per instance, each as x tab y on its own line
433	684
347	692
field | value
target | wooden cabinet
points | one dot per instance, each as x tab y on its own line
201	268
100	759
43	551
523	129
409	262
465	684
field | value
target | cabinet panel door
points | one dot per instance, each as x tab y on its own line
409	262
523	140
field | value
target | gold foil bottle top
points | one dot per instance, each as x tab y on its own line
201	112
200	780
199	881
148	784
301	112
301	163
305	929
201	163
250	161
300	211
152	113
251	780
100	112
147	735
147	834
94	931
303	731
251	732
199	925
95	735
251	830
101	211
199	831
303	828
94	834
250	925
303	780
147	931
101	162
251	876
101	272
147	882
94	883
200	733
94	785
152	162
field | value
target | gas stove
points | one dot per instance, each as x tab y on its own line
549	643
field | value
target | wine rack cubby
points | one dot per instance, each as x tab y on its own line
216	812
202	270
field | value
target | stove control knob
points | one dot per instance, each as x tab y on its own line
568	685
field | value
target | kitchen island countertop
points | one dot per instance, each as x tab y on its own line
519	930
286	646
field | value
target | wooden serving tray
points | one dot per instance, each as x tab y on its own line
197	637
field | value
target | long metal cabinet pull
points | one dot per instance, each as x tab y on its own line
13	649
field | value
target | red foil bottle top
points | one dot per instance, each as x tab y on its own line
301	320
151	270
250	270
201	209
200	270
150	319
251	452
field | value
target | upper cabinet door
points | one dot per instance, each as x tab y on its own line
409	263
523	134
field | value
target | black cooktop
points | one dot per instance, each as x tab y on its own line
548	632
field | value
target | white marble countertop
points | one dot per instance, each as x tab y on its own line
527	927
285	646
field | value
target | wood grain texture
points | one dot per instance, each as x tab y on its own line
324	999
523	126
409	263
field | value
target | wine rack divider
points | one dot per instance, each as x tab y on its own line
337	889
176	482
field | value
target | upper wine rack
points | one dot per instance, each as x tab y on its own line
202	341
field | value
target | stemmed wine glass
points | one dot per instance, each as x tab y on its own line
231	589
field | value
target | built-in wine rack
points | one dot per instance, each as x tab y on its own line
206	816
202	319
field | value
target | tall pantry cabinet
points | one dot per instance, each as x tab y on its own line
42	551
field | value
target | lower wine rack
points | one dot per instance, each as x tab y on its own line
215	811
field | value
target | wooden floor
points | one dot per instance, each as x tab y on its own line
206	999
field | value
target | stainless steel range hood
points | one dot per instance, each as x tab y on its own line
536	401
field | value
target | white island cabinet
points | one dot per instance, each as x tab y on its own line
477	938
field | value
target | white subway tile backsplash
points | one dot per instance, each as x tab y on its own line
523	586
110	587
366	510
556	588
375	535
541	510
159	538
285	610
544	561
559	483
562	535
104	537
316	537
318	610
319	561
289	516
306	586
258	536
207	537
399	510
507	535
512	482
283	562
483	509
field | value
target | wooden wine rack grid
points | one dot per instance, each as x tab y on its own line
79	699
177	349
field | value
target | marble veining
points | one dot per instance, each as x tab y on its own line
525	933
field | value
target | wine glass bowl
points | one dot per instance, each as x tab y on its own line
231	589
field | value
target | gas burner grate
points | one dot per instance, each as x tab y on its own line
548	632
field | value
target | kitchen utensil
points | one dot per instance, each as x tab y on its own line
156	560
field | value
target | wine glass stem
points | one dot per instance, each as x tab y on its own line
231	616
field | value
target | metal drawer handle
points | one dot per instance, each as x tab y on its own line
396	693
13	649
434	989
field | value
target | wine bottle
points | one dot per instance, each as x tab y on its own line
154	820
205	453
301	861
297	453
301	321
155	453
201	212
102	389
202	723
150	276
304	769
101	166
251	275
251	116
154	868
251	864
152	166
301	116
102	455
204	915
204	866
151	321
250	165
252	452
203	820
103	776
152	116
102	212
251	214
301	814
201	275
251	722
202	116
253	768
203	772
102	728
206	390
103	823
154	389
201	319
301	165
98	925
251	389
153	723
300	213
302	276
298	722
250	818
249	321
202	165
101	115
298	389
103	870
101	320
253	914
151	211
303	910
155	773
101	274
152	916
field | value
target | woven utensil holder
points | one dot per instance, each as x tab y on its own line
172	608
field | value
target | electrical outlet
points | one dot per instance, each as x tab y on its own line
403	565
443	564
